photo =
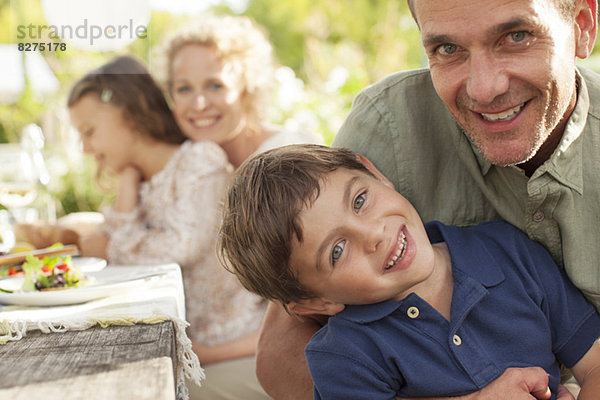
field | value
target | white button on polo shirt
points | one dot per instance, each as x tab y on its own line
457	340
412	312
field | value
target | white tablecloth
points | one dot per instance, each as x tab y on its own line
156	298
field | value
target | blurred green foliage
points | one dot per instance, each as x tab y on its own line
334	47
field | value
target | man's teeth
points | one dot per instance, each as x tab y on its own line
399	251
504	115
201	123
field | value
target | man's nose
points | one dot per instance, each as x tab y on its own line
487	79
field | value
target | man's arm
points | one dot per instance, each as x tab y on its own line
587	373
242	347
280	362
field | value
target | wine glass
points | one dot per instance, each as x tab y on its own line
18	180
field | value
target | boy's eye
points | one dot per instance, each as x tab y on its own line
337	251
87	133
359	201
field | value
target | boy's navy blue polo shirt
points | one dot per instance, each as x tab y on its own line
512	307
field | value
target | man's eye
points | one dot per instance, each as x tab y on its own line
359	201
337	251
518	36
447	49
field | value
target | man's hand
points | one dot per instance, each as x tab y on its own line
280	363
514	384
518	383
563	393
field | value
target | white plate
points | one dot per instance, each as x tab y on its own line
109	282
89	264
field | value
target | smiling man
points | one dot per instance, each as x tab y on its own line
504	78
502	125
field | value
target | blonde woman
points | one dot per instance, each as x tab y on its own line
218	74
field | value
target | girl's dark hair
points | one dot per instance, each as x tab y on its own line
126	83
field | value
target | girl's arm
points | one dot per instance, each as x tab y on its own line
94	244
188	209
128	192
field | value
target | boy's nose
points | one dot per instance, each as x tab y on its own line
373	236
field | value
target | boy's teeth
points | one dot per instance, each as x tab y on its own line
399	251
503	116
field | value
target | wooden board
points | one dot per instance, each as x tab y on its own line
118	362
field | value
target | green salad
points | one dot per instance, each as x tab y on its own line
51	273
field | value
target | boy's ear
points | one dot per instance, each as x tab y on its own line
371	168
315	305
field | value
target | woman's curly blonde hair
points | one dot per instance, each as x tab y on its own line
238	41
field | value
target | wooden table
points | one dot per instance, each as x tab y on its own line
39	360
117	362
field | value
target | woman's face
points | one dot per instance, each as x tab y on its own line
207	95
104	133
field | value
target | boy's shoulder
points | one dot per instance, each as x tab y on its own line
357	332
491	251
500	233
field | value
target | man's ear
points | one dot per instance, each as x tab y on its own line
315	305
586	25
373	170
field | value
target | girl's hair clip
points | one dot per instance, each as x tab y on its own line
106	95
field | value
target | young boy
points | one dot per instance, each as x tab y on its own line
416	311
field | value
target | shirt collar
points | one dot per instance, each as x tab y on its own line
473	260
481	267
565	163
367	313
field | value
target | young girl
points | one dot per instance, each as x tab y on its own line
167	204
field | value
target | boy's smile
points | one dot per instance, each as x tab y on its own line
362	242
398	250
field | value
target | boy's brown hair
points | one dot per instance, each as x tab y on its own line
261	210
